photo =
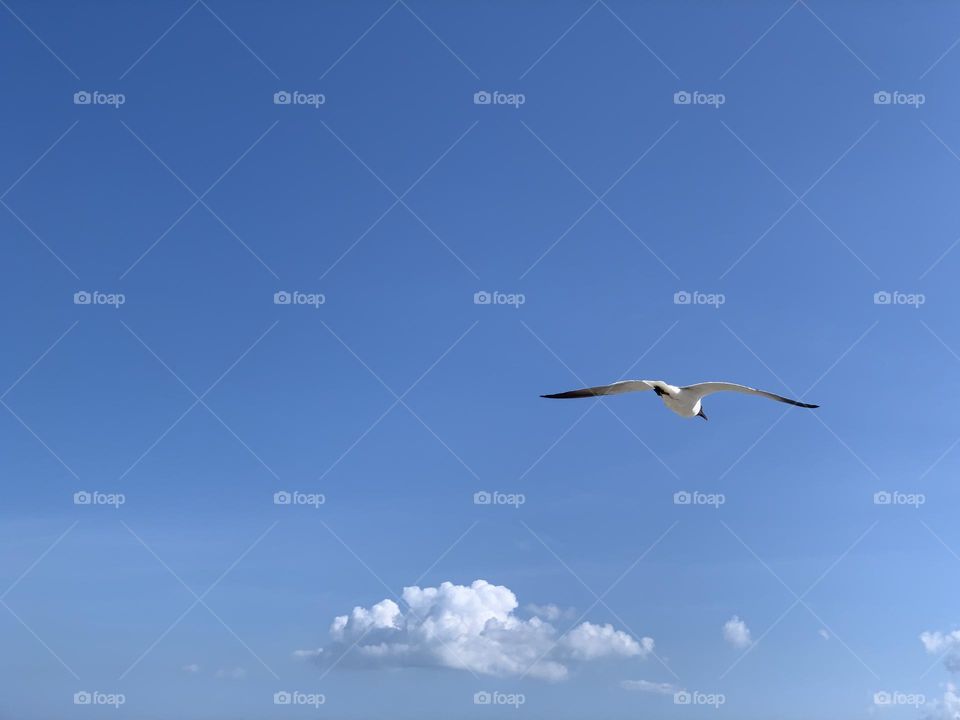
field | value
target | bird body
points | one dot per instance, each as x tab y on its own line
685	401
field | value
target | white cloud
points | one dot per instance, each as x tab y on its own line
231	673
736	632
307	654
191	668
823	633
649	687
946	644
947	708
938	642
550	612
471	628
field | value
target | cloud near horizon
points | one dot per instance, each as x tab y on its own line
657	688
471	628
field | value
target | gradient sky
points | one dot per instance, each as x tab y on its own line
598	200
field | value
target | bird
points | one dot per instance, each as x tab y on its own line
684	401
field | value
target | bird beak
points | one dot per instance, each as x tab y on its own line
702	414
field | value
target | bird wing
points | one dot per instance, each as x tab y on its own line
708	388
624	386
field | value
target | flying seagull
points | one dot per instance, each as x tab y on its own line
684	401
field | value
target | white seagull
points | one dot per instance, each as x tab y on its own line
684	401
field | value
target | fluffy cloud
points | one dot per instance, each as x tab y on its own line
946	644
736	632
550	612
471	628
649	687
947	708
938	642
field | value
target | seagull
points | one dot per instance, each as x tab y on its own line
684	401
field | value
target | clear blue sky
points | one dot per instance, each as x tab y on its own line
398	198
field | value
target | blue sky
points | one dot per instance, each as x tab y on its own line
783	199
